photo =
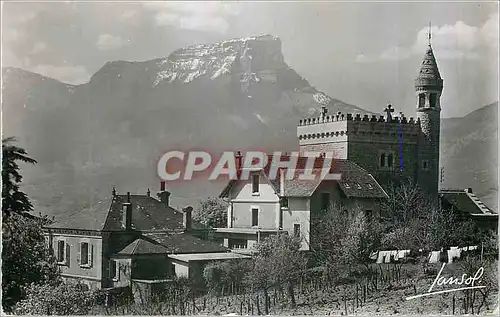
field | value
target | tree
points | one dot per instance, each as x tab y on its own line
13	200
59	299
26	258
212	212
344	240
415	222
278	263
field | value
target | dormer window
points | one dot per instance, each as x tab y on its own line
347	185
358	186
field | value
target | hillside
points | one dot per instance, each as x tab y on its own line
469	153
233	95
236	94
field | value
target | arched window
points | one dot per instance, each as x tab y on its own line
382	160
421	100
432	100
390	160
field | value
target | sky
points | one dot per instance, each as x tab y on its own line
363	53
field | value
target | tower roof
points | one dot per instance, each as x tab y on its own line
429	68
429	76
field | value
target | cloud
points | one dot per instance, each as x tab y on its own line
38	47
458	41
109	42
10	35
68	74
204	16
128	14
489	31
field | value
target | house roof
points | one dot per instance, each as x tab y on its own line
465	201
148	214
355	181
208	256
170	243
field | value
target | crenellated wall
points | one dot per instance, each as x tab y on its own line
363	139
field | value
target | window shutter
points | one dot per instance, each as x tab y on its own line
91	253
108	269
68	249
79	254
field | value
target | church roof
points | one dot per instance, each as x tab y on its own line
429	68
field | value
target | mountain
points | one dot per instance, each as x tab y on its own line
233	95
236	94
469	153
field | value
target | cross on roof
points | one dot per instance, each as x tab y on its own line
388	111
324	111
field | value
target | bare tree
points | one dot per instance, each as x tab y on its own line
279	263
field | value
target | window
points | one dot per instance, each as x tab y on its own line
114	270
358	185
85	254
172	269
368	215
255	217
296	230
386	160
61	251
421	100
432	100
237	243
425	165
370	186
325	201
390	160
255	184
382	160
284	202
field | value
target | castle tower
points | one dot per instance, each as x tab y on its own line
428	88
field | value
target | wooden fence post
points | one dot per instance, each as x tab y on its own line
453	305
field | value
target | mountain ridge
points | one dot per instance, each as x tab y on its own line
111	130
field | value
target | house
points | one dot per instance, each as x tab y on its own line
259	206
127	241
469	206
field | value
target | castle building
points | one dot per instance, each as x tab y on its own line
391	148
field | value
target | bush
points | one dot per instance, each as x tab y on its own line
26	258
60	299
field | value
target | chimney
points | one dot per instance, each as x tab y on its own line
148	193
187	217
468	190
163	195
113	191
238	160
282	182
127	214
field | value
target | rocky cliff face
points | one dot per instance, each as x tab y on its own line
235	94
